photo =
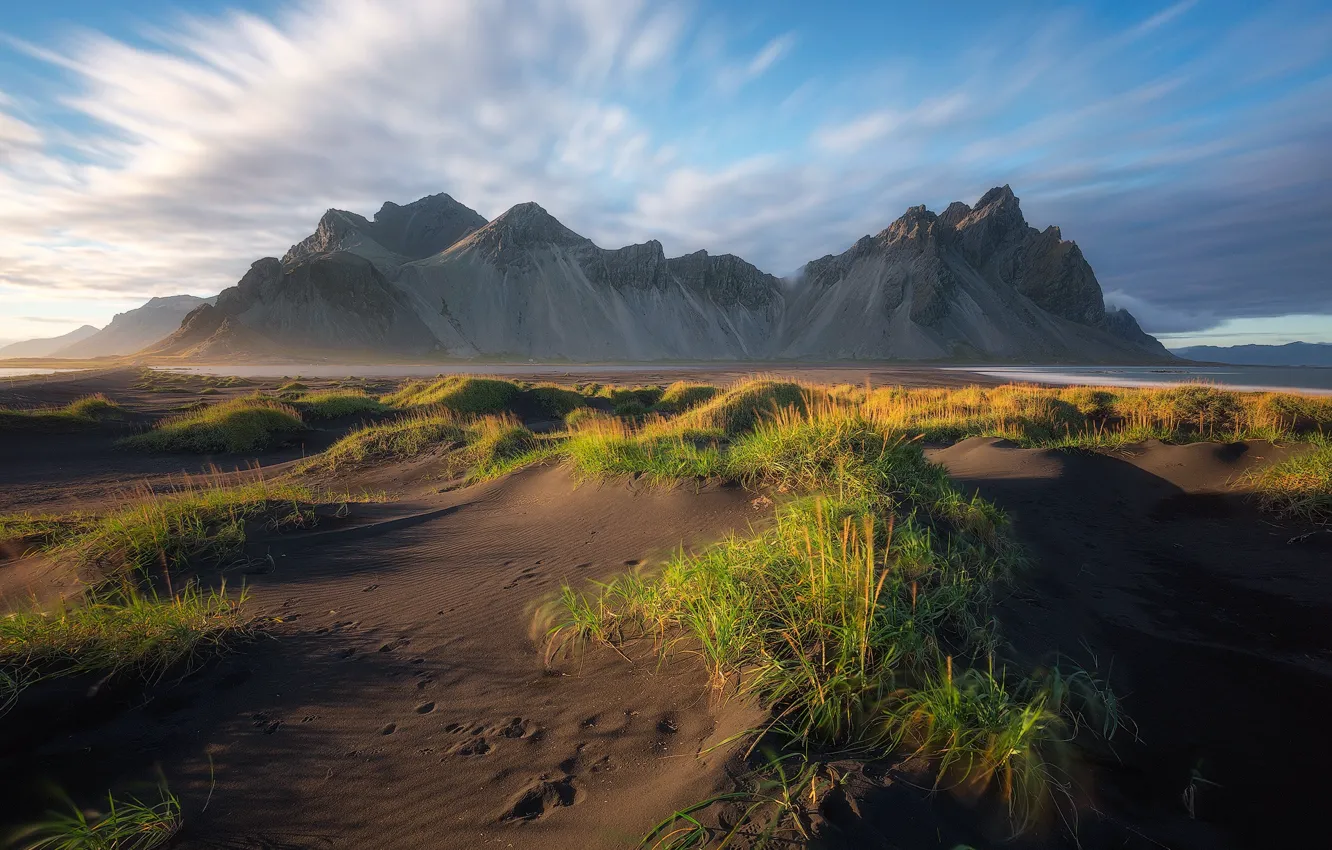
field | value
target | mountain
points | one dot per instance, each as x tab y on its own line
433	278
1290	354
132	330
397	235
47	346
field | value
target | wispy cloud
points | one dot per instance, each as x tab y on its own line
168	165
732	78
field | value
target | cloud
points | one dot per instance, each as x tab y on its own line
1198	191
732	78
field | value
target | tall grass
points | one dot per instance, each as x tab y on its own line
860	616
332	404
481	446
246	424
81	414
459	393
121	632
205	522
130	824
1299	487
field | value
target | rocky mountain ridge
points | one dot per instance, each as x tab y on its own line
970	283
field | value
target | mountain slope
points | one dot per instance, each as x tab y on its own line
397	235
972	283
132	330
47	346
1290	354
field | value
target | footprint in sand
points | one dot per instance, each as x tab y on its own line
425	708
389	729
541	798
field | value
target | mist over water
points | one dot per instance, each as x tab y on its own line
1305	379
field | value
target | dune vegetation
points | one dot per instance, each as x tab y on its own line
120	632
477	446
335	403
860	617
460	394
1299	487
82	414
248	424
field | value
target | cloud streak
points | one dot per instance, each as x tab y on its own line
173	163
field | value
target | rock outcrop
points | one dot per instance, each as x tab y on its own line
973	283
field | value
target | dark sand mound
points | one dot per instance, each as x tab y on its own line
403	702
1215	624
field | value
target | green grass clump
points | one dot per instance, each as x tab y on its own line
41	530
293	387
683	395
484	447
499	444
860	618
602	446
126	825
125	632
459	393
1095	417
331	404
249	424
169	531
741	407
81	414
1300	486
555	401
644	396
399	439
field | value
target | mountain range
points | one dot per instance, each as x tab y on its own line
1290	354
126	333
435	278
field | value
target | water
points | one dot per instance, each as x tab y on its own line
1304	379
18	373
426	370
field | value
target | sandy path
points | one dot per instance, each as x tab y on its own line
402	702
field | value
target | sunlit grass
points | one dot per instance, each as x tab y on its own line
253	423
1299	487
860	616
331	404
82	414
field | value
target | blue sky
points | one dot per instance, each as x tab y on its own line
151	148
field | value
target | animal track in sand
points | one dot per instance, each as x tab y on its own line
261	720
541	798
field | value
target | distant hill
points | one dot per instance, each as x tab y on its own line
134	329
47	346
434	278
1290	354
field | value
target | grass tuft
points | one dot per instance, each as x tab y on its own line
332	404
1299	487
125	825
124	632
460	394
81	414
241	425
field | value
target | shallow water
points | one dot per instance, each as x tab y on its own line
15	373
1305	379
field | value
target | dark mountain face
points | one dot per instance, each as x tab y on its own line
397	235
974	282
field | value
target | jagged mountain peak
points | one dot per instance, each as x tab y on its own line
398	233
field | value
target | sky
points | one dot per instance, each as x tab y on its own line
152	148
